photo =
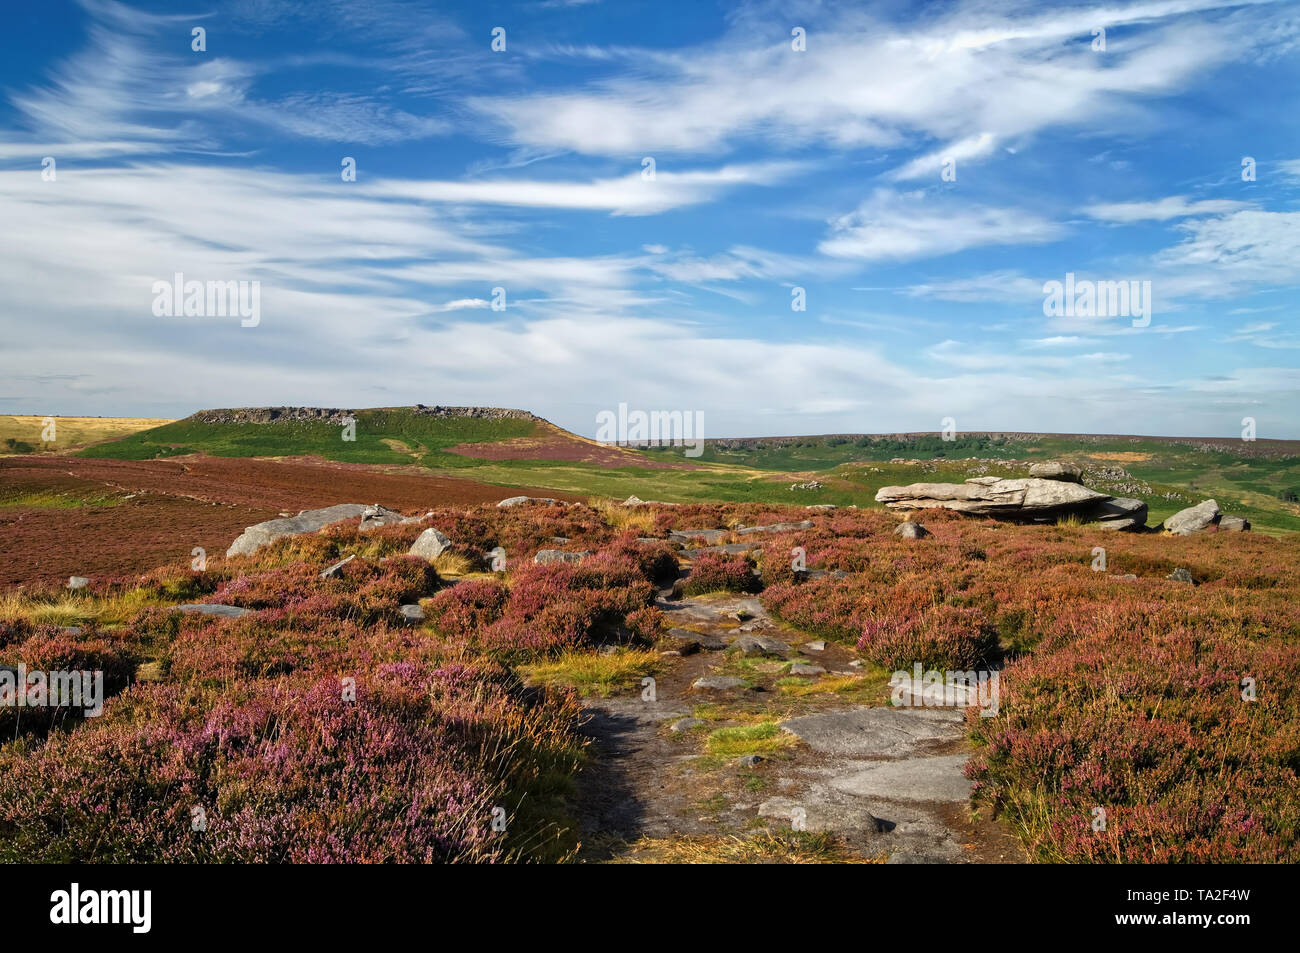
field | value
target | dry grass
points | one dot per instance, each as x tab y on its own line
71	431
593	673
764	847
73	608
640	518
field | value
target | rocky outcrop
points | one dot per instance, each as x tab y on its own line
1057	471
1119	513
308	521
993	496
429	545
1194	519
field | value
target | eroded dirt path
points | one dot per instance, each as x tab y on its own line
887	782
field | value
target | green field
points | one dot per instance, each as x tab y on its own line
1259	480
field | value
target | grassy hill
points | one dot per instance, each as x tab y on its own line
1258	480
25	434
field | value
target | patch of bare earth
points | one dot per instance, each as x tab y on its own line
551	443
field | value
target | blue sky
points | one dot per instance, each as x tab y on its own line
775	168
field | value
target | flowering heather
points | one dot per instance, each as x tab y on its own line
714	572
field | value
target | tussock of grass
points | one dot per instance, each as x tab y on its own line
764	847
453	564
74	609
766	737
798	685
51	499
592	673
621	518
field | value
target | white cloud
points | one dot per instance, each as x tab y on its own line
625	195
901	227
1160	210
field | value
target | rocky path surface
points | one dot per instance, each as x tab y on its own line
887	782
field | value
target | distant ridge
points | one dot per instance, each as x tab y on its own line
335	415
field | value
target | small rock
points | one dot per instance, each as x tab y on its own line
750	760
1127	576
750	645
334	570
803	668
1233	524
910	530
686	724
516	500
1181	575
559	556
687	642
212	608
856	663
375	516
716	683
818	645
78	582
634	501
412	612
429	545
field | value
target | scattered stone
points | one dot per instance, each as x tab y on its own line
803	668
856	663
1122	526
560	540
911	530
775	528
412	613
818	645
212	608
375	516
78	582
308	521
751	760
729	549
1233	524
688	643
559	556
334	570
710	536
429	545
1181	575
1194	519
686	724
720	683
1127	577
634	501
516	500
988	496
1057	471
751	645
810	485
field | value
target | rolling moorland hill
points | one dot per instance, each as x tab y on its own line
1259	480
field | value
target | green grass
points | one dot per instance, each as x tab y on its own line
426	439
592	673
26	497
764	738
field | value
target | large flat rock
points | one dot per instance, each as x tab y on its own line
874	732
985	496
939	778
308	521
